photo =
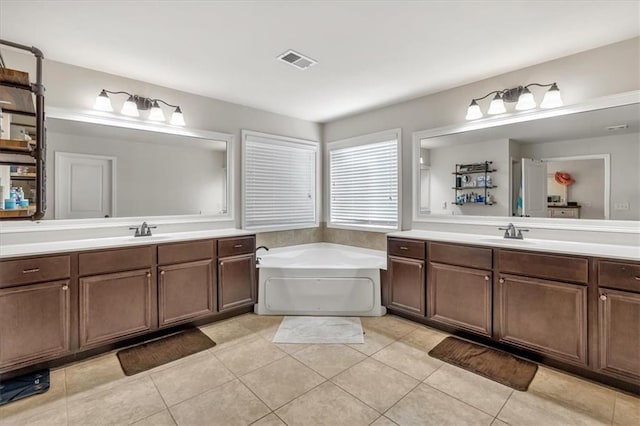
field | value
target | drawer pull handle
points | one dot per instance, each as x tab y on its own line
30	271
65	287
603	297
637	278
238	246
486	277
404	248
501	280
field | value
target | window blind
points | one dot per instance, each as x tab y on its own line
364	185
279	184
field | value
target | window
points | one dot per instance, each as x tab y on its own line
280	182
364	182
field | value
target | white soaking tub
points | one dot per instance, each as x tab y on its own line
320	279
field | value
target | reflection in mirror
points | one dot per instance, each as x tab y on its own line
581	165
107	171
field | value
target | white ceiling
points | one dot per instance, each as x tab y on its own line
370	53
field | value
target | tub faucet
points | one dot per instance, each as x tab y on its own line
513	233
258	259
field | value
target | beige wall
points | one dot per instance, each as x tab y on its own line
594	73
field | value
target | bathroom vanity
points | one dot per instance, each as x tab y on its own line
62	305
575	306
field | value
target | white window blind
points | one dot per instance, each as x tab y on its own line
279	184
363	183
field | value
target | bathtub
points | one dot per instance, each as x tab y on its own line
320	279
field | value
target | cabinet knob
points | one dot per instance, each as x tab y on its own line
501	280
603	297
162	272
636	278
221	263
148	274
486	278
65	287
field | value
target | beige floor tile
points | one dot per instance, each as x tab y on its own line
375	384
191	378
329	360
373	342
94	372
50	414
409	360
327	405
389	325
281	381
253	354
475	390
427	406
292	348
573	392
527	408
226	405
424	338
34	406
498	422
163	418
383	421
627	411
269	420
130	401
258	323
226	334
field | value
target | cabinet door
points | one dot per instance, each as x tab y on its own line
185	291
548	317
619	323
236	281
406	285
113	306
34	322
460	297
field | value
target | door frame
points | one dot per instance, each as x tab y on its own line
57	177
607	175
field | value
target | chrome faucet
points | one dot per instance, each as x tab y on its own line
258	259
513	233
143	230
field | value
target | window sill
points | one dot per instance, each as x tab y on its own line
364	228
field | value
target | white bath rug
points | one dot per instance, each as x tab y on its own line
319	330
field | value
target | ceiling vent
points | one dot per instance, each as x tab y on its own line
296	59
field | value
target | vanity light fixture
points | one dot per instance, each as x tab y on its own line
521	95
135	103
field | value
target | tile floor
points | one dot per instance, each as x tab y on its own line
246	379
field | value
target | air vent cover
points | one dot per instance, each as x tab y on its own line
296	59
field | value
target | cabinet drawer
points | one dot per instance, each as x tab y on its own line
406	248
624	276
27	271
100	262
561	268
451	254
185	252
234	246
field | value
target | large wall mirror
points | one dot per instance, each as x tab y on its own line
102	169
580	164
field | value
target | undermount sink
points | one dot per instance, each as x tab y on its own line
150	238
505	240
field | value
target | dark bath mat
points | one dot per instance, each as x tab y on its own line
157	352
493	364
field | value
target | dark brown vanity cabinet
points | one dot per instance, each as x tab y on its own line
541	303
186	281
619	319
117	295
35	310
406	272
236	273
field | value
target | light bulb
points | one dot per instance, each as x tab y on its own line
552	98
473	112
130	108
156	113
177	119
497	105
526	100
103	103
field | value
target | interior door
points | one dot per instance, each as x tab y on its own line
83	186
534	188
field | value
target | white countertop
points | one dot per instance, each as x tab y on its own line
18	250
612	251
